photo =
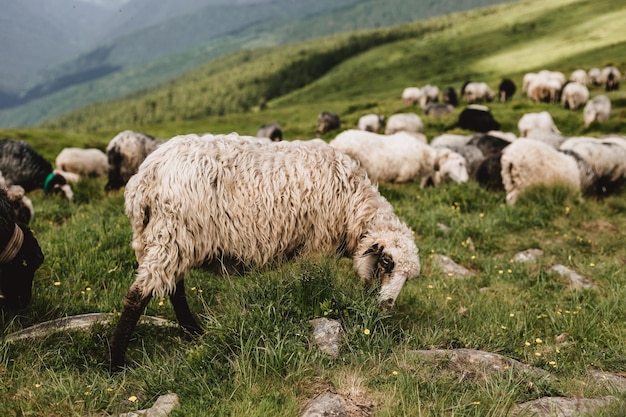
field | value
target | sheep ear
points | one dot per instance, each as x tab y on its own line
375	249
368	261
440	160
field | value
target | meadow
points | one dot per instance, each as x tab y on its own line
257	356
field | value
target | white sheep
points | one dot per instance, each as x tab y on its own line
595	77
528	162
125	152
450	139
430	94
477	91
404	122
546	136
91	162
597	109
574	95
544	86
222	199
371	122
607	159
579	76
411	95
400	157
538	120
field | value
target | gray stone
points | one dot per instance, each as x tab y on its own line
486	362
162	407
328	335
327	404
451	268
561	407
611	381
528	255
576	281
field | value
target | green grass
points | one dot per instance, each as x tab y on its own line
257	356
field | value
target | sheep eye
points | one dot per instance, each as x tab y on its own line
386	263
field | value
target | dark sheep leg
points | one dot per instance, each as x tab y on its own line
134	305
181	308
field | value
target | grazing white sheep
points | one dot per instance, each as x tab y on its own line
595	77
539	120
546	136
579	76
597	109
477	91
411	95
574	95
607	159
400	157
212	199
544	86
404	122
125	152
371	122
430	94
529	77
528	162
450	139
91	162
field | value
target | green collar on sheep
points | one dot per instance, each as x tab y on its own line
46	183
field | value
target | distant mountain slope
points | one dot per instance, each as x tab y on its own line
36	33
356	71
148	55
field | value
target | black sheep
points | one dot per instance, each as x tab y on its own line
21	165
20	257
478	119
506	89
449	96
489	173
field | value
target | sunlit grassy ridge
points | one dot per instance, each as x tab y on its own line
257	356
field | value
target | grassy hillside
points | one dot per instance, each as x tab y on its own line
258	357
367	70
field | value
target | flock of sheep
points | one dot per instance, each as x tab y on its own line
257	200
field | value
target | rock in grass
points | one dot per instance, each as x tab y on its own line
451	268
328	335
562	407
528	255
162	407
576	280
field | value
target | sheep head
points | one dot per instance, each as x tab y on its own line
388	261
450	165
57	183
19	260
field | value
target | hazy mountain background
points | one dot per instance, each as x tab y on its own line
59	55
